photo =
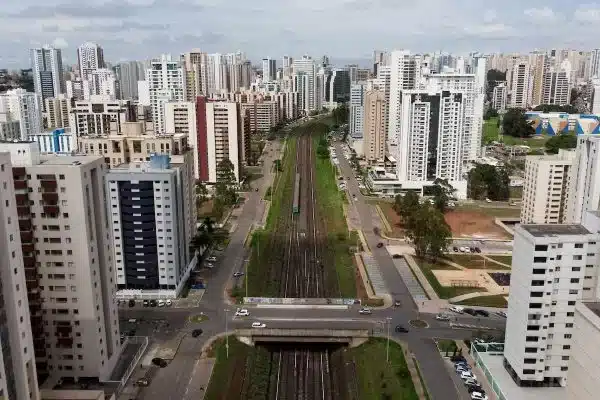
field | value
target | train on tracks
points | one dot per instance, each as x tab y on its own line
296	206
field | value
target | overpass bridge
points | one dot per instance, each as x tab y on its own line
350	337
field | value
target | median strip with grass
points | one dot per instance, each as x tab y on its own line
498	301
474	261
444	292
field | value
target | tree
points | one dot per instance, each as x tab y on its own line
548	108
428	231
495	75
490	113
340	114
225	193
564	141
405	206
323	147
442	193
514	123
488	182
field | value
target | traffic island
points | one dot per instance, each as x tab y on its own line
198	318
417	323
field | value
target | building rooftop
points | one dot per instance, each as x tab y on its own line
555	230
57	159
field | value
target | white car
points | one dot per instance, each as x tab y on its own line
258	325
457	309
467	375
365	311
161	303
470	381
210	265
168	303
212	259
478	396
442	317
242	312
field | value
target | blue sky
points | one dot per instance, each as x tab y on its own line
140	29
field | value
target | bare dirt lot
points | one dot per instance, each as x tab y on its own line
474	224
393	219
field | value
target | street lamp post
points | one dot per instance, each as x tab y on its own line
226	335
387	348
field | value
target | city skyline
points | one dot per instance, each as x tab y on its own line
140	29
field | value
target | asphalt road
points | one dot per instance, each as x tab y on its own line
163	324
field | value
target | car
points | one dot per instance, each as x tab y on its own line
212	259
458	358
396	256
397	303
501	314
457	309
462	367
455	249
153	303
462	249
258	325
401	329
379	245
442	317
159	362
196	332
478	396
131	332
160	303
470	311
210	265
475	388
132	303
467	375
238	274
145	303
365	311
168	302
256	190
478	341
483	313
477	250
488	201
142	382
241	312
470	381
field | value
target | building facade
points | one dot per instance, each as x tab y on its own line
24	107
66	255
152	212
374	126
165	79
356	110
546	187
57	112
47	69
18	378
584	179
499	94
90	57
521	86
100	117
584	365
269	69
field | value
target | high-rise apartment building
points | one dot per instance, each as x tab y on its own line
554	267
100	117
374	126
594	64
24	107
405	69
584	365
337	86
269	69
166	83
101	84
521	86
286	64
194	65
499	95
57	112
90	57
584	179
545	189
305	84
181	119
127	75
153	215
18	378
556	87
47	69
540	63
222	134
9	128
68	267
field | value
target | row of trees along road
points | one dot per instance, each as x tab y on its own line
424	223
488	182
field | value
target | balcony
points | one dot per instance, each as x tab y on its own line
64	332
49	186
19	172
20	185
30	274
51	210
23	212
26	237
29	261
27	248
22	199
64	343
25	224
50	198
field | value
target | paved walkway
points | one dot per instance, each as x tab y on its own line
377	281
200	378
469	296
421	277
495	261
414	287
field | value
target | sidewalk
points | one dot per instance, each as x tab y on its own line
466	352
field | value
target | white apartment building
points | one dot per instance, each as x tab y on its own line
57	112
226	131
556	87
374	126
24	107
56	141
47	69
596	96
9	128
499	94
67	261
90	57
101	83
152	214
553	267
594	64
75	89
584	365
545	188
521	89
305	82
286	64
269	69
405	70
181	119
99	117
356	110
166	83
584	179
18	379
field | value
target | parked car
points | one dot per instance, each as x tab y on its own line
365	311
168	302
153	303
458	358
401	329
455	249
483	313
477	250
241	312
210	265
467	375
258	325
396	256
212	259
238	274
142	382
145	303
397	303
196	332
457	309
161	303
379	245
132	303
475	388
470	311
470	381
501	314
478	396
442	317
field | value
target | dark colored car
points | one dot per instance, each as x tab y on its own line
146	303
397	303
455	249
482	313
396	256
475	388
470	311
153	303
457	358
196	332
131	303
401	329
131	332
477	250
159	362
379	245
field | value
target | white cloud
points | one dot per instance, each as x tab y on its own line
587	13
60	43
539	14
489	16
490	31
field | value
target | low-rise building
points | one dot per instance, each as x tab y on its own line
57	141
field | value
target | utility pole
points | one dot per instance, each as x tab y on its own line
387	348
226	335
